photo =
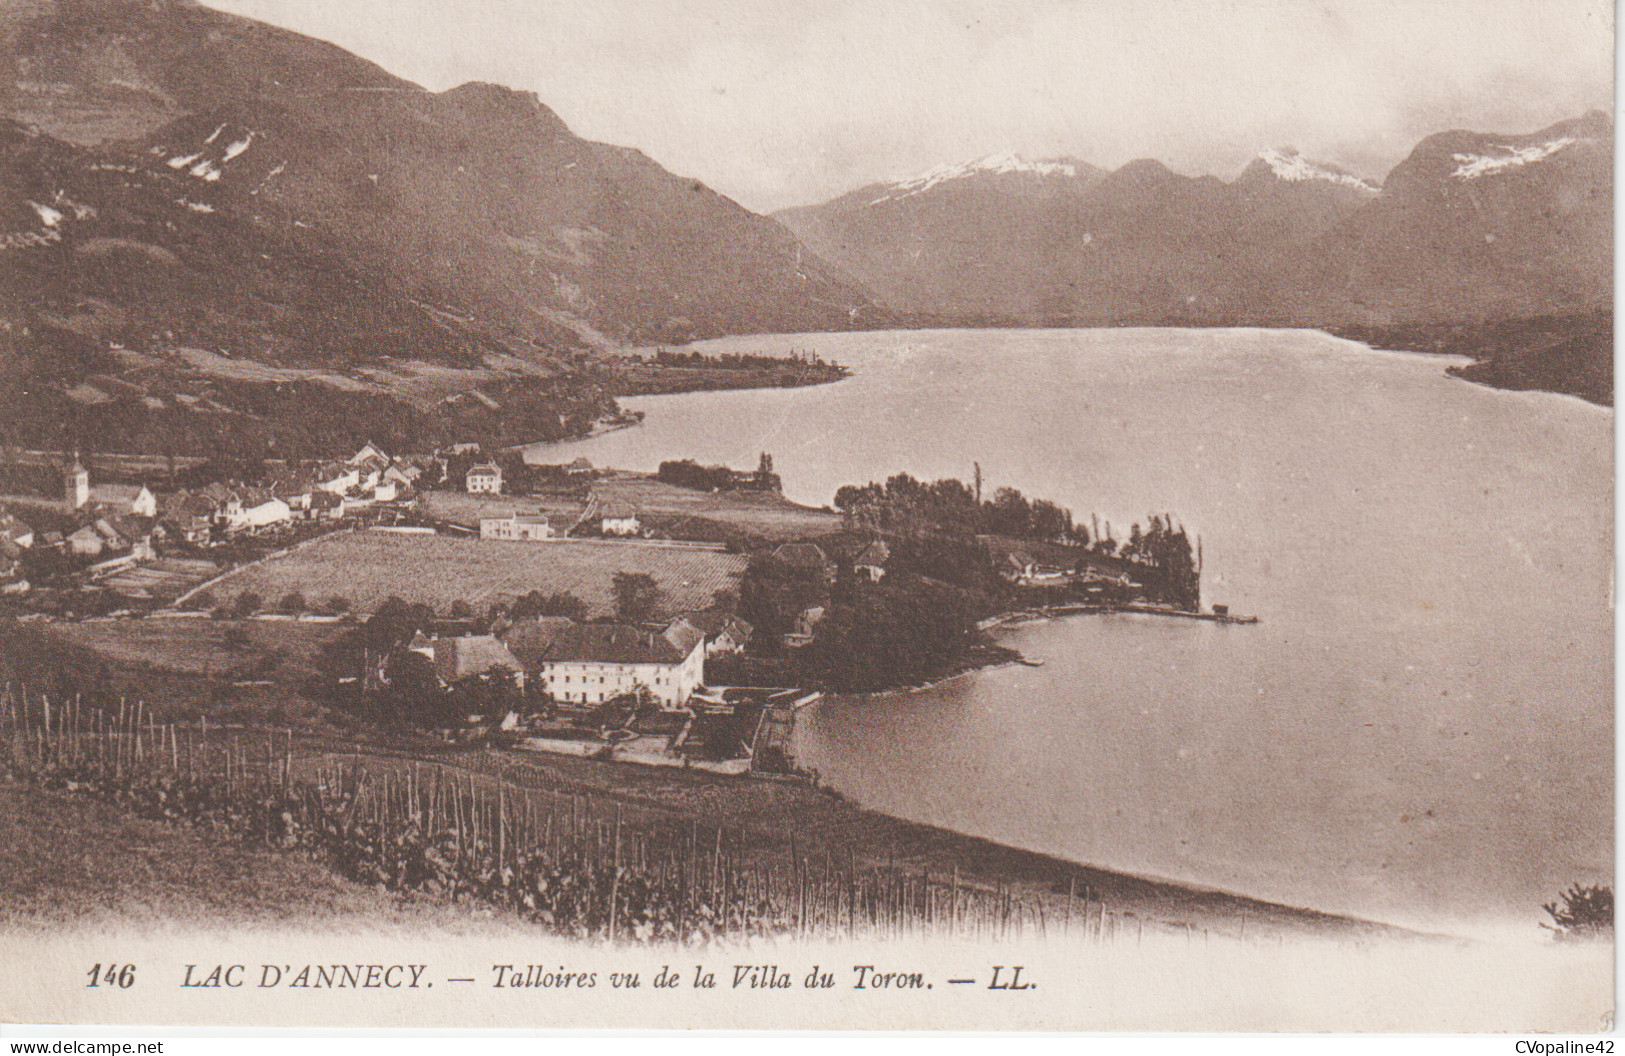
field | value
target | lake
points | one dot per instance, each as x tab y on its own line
1420	729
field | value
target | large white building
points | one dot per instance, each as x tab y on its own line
484	479
530	527
589	663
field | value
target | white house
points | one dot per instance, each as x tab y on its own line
338	479
367	453
724	632
619	520
529	527
253	510
806	626
403	474
293	487
484	479
871	561
86	541
589	663
326	506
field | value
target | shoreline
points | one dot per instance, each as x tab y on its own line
592	434
1012	619
774	818
778	816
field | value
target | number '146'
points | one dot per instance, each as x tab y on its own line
119	975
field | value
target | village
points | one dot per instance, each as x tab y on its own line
676	618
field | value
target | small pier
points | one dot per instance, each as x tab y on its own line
1223	615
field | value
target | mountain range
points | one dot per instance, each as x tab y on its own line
216	232
1470	226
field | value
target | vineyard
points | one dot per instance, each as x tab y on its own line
569	864
367	567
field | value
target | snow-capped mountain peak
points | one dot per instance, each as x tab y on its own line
1472	166
1003	163
1293	167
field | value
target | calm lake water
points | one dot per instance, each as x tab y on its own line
1419	730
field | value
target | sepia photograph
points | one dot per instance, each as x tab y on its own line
932	515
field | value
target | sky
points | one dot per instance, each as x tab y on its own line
790	102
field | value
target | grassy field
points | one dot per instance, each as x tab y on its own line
201	646
765	514
68	859
457	507
368	567
770	516
249	671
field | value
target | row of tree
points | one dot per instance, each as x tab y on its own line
948	506
693	359
906	506
687	473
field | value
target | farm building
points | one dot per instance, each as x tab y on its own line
590	663
484	479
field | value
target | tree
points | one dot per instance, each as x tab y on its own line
292	602
247	604
1586	913
890	634
636	596
772	595
461	610
538	604
765	479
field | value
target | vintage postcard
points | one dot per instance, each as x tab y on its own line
1079	515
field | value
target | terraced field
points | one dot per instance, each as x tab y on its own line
368	567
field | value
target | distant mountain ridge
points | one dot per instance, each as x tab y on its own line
1469	226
